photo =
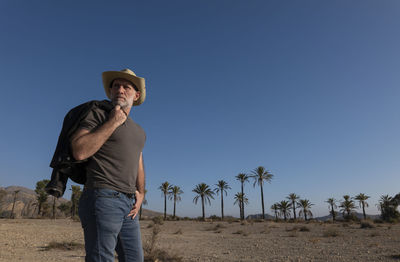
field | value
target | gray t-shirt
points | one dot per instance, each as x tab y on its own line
115	164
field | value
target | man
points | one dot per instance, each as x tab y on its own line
114	190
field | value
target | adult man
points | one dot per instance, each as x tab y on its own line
114	189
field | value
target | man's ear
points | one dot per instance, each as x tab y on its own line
137	96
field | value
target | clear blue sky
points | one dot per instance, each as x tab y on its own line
307	89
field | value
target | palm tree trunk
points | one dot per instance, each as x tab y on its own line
54	207
365	217
165	206
294	210
305	214
333	214
202	207
242	206
222	205
262	201
174	205
12	210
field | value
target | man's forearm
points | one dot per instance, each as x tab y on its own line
140	181
89	143
85	144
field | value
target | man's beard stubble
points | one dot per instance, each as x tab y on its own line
123	104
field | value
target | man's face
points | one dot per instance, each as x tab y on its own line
123	93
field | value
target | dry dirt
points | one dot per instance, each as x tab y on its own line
27	239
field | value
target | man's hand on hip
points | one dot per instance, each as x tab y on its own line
136	206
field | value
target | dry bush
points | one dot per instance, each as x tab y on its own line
158	220
239	232
397	256
179	232
330	232
243	223
265	231
374	234
345	225
216	227
64	245
150	225
293	234
218	231
151	253
295	228
220	226
366	224
304	229
314	240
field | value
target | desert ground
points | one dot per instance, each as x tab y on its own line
37	239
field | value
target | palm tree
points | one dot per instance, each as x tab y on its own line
64	207
41	193
332	203
259	175
284	207
165	187
275	208
347	206
293	197
174	194
204	192
388	207
15	198
305	205
240	199
242	178
362	199
76	194
222	187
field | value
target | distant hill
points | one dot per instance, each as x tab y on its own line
259	216
26	204
340	217
323	218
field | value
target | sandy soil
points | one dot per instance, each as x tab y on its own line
27	239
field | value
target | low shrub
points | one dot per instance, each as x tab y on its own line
304	229
366	224
64	245
331	232
179	232
158	220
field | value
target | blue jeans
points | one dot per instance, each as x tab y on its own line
103	213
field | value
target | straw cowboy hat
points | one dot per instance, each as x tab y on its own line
126	74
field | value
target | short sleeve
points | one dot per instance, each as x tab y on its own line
92	120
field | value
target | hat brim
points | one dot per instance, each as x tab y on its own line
139	82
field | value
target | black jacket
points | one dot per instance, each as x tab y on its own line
63	163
